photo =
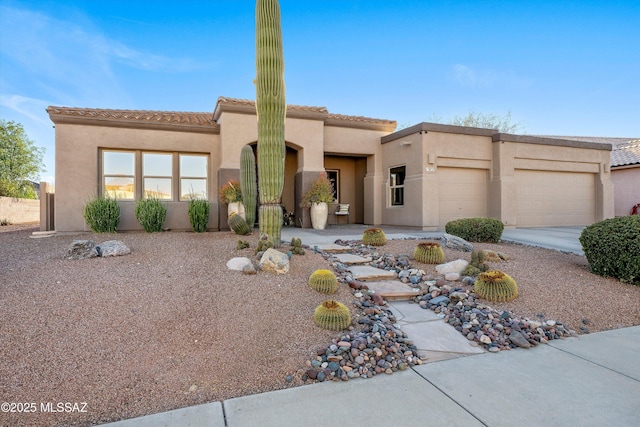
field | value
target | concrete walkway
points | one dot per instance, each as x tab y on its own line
592	380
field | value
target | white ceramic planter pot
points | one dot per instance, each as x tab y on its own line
236	207
319	213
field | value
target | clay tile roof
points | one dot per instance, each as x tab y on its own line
222	100
361	121
304	111
142	117
626	154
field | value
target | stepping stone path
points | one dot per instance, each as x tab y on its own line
382	282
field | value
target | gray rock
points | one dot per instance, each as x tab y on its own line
249	269
82	249
274	261
456	243
112	248
518	339
439	300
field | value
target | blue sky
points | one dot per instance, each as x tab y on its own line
559	67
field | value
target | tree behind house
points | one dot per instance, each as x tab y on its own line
20	161
502	123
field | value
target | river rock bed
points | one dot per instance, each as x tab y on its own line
455	302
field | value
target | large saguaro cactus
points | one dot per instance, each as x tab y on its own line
271	110
248	183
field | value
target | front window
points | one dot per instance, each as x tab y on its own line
396	184
157	170
193	177
119	175
135	174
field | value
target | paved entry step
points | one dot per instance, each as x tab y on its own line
392	290
368	273
351	259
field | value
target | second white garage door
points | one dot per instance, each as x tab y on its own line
462	193
548	199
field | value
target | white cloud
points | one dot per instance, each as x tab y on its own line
29	107
488	78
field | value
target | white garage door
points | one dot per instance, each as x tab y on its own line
547	199
462	193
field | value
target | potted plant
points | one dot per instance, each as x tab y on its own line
231	194
318	197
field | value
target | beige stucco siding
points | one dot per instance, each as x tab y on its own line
626	184
78	169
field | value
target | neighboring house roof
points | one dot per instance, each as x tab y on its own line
626	154
625	151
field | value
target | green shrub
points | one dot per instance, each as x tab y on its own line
199	214
612	248
476	229
102	214
151	214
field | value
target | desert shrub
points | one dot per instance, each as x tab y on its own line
199	214
102	214
612	248
151	214
4	221
476	229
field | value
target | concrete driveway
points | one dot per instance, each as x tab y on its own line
565	239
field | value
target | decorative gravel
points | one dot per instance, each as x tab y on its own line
169	326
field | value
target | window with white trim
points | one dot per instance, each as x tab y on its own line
396	185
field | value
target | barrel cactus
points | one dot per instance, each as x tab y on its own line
238	224
332	315
374	236
429	253
324	281
248	183
496	286
271	109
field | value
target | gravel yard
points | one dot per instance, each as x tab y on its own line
169	326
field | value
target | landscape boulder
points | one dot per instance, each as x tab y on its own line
457	243
274	261
112	248
452	267
82	249
238	263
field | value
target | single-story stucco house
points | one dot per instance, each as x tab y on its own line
421	176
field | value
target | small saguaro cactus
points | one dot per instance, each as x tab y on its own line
238	224
429	253
496	286
248	183
374	236
332	315
323	281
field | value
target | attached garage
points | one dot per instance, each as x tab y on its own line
551	198
462	193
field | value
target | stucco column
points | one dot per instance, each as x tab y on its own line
502	203
604	192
